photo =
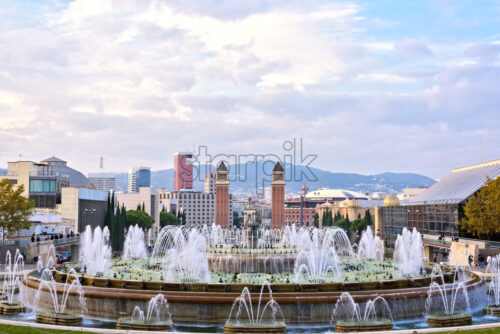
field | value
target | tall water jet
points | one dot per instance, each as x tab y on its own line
318	259
95	251
156	318
134	246
493	268
50	260
13	268
408	253
181	254
58	313
263	320
448	305
370	246
349	317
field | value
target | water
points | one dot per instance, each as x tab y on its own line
318	258
158	310
493	269
409	253
181	255
13	267
243	305
49	262
95	251
448	299
347	309
59	300
370	246
134	246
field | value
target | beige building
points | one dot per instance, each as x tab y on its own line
350	207
133	199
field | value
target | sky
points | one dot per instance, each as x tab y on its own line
367	86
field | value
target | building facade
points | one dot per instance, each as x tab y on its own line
103	181
437	211
183	171
138	177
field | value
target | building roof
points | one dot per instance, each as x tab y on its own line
222	167
59	166
336	193
459	185
278	167
54	159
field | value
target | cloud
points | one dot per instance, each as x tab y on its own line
136	81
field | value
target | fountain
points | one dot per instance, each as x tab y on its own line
95	253
181	253
134	246
59	315
11	283
318	260
408	253
258	322
202	270
441	305
493	268
49	262
157	317
370	246
348	317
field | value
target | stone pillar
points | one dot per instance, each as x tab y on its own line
278	196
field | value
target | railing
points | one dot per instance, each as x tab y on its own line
436	242
66	240
43	173
9	242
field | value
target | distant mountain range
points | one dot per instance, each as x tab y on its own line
246	179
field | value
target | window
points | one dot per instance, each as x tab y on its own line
45	186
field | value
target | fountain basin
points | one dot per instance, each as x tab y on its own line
455	319
492	309
344	326
248	327
14	308
144	325
66	318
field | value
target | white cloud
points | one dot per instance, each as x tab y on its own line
136	81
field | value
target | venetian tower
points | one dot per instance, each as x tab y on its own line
278	196
222	195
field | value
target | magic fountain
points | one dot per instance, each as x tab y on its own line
211	275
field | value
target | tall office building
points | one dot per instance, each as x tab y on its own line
103	181
138	177
183	171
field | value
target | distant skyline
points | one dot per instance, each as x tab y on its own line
370	86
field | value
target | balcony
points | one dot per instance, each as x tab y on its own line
50	174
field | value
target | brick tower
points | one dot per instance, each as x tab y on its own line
278	196
222	196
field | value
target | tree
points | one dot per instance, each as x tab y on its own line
316	220
123	224
143	207
236	220
167	218
358	225
482	211
15	209
138	207
368	218
139	217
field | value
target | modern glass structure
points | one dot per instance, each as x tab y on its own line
437	211
138	177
